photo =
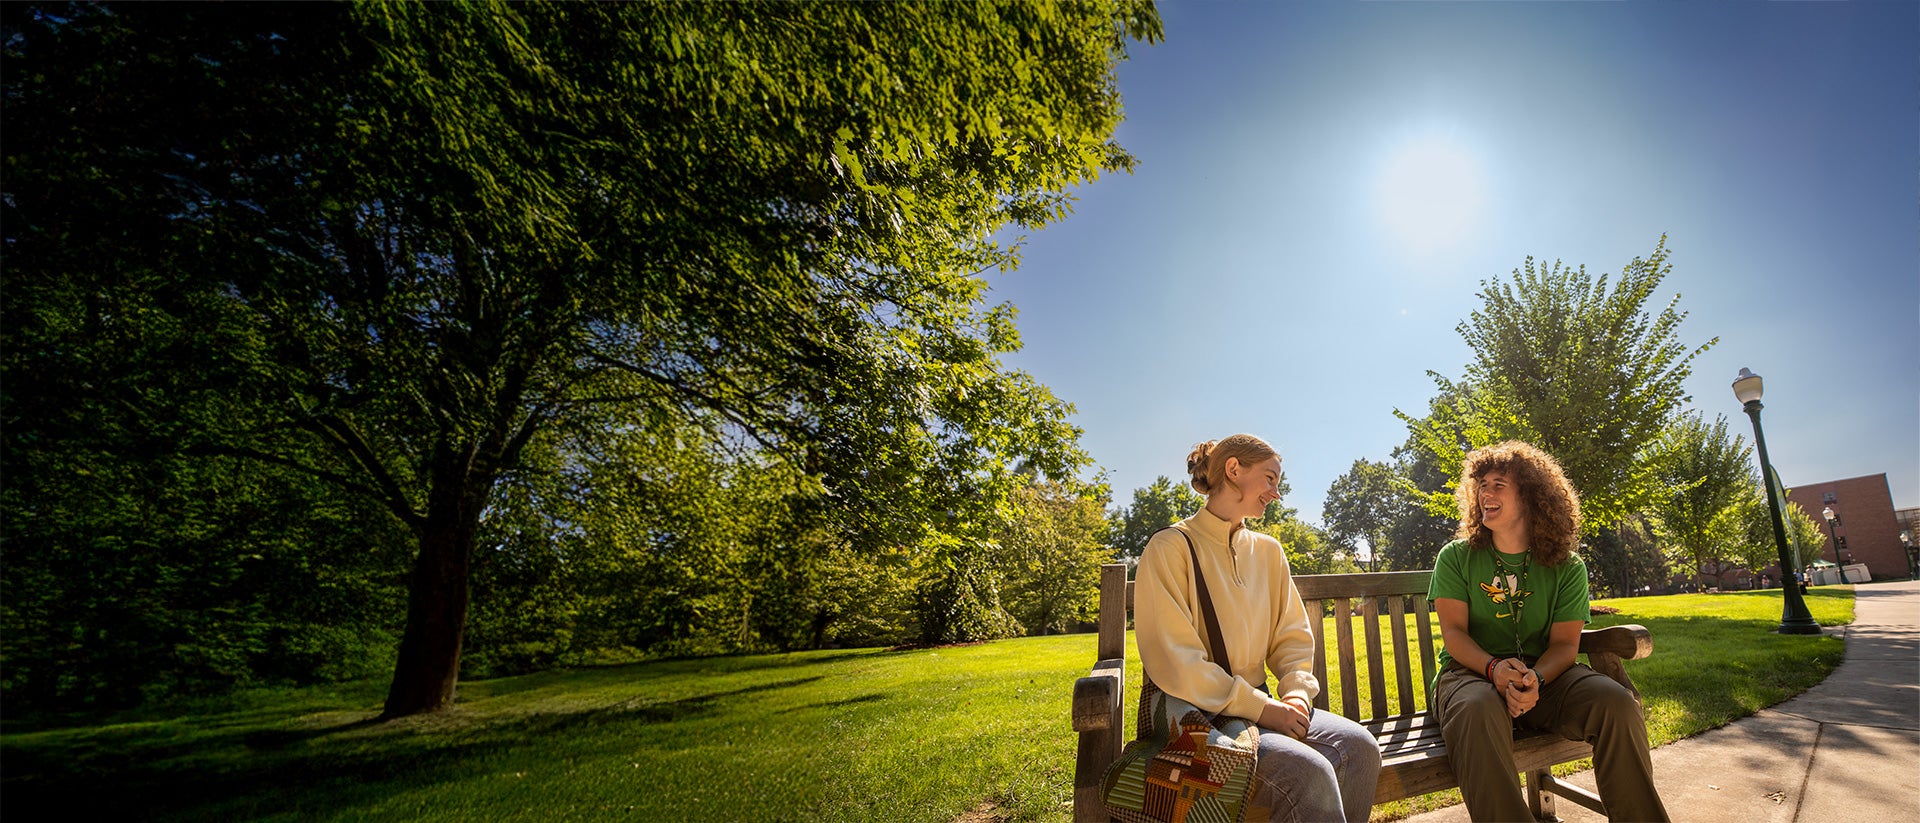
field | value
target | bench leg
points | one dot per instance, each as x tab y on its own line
1541	788
1096	754
1539	800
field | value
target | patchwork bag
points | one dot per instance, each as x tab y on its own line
1187	764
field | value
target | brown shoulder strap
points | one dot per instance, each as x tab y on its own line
1215	643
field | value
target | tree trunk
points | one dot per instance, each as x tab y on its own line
428	669
822	619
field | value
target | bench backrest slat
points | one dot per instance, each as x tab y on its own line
1320	656
1343	628
1114	587
1402	669
1422	616
1376	669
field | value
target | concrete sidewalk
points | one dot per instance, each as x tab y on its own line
1847	749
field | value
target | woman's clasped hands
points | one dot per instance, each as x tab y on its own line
1518	684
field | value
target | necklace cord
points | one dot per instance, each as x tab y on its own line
1516	591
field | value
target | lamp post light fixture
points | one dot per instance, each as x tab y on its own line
1832	534
1794	617
1833	521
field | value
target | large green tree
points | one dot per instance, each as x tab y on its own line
1416	534
1758	549
1362	506
1580	367
1384	504
1697	511
1624	559
437	231
1052	549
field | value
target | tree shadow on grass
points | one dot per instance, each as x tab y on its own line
265	739
639	710
851	701
805	657
627	674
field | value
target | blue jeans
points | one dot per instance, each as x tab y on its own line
1329	776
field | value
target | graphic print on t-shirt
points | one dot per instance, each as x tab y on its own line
1504	591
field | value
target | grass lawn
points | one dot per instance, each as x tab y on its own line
833	735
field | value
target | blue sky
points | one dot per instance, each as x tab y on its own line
1322	187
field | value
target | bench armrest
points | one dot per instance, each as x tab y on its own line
1607	648
1628	642
1096	697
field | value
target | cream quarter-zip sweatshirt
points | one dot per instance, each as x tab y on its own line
1262	621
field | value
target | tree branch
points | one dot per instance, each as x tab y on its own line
335	478
342	435
761	431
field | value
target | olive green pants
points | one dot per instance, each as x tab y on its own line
1580	704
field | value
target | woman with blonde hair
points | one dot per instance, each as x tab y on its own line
1311	765
1512	598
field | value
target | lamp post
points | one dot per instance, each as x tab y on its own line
1833	533
1794	617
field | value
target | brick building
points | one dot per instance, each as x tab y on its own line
1864	521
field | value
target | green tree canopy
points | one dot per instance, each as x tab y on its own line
1159	505
1362	506
1576	366
1806	538
1416	534
1052	551
1308	549
432	233
1385	505
1698	508
1625	559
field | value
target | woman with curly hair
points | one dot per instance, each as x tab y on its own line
1312	766
1512	599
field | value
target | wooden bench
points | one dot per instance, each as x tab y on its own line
1414	758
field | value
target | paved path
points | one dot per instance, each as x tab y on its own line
1847	749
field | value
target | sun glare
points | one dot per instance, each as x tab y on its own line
1429	193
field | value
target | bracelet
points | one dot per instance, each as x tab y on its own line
1489	672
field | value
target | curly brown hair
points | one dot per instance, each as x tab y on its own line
1553	507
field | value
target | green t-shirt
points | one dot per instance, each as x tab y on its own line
1518	602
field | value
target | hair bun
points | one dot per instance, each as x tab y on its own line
1197	464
